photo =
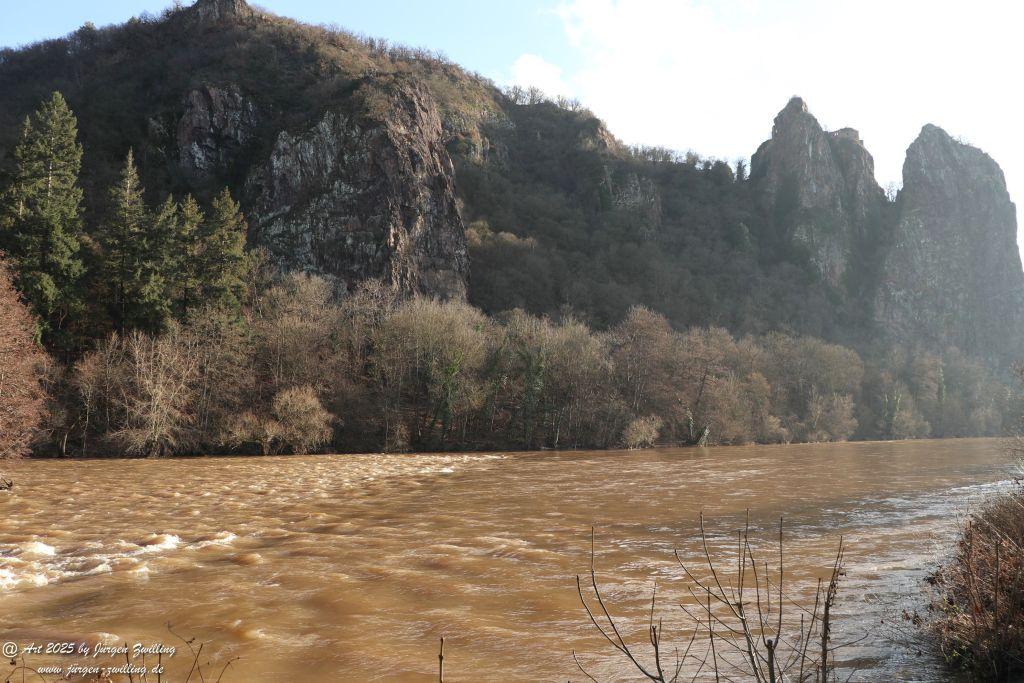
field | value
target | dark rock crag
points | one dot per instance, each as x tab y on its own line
212	11
217	123
368	191
364	189
820	189
952	276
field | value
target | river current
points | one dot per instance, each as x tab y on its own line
351	568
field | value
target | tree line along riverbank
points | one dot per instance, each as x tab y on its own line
296	369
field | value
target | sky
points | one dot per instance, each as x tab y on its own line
706	75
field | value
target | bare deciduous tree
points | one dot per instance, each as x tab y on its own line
139	391
21	361
157	402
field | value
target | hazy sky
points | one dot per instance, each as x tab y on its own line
703	75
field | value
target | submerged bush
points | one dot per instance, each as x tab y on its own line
304	424
977	616
297	421
642	432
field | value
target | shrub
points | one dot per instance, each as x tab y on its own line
642	432
977	614
249	428
304	424
297	422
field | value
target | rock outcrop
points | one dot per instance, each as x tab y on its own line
368	191
952	276
217	123
819	187
210	11
629	191
340	151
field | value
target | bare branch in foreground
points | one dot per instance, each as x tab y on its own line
761	634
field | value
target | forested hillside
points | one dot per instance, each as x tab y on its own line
240	232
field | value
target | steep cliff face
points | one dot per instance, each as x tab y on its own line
629	191
359	185
217	123
366	192
953	273
819	188
340	150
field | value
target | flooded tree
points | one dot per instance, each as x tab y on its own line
649	366
427	362
295	422
551	385
145	388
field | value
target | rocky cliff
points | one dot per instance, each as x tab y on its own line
819	188
354	158
367	191
952	276
939	268
216	125
206	11
353	183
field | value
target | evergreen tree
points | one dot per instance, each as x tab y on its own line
160	265
41	218
119	237
137	249
222	258
187	290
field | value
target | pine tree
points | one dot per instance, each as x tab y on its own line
159	265
222	258
137	248
188	290
41	218
119	237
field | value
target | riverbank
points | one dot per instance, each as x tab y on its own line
611	450
975	621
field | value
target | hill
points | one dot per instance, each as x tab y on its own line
360	162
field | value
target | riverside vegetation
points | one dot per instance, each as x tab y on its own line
976	618
168	336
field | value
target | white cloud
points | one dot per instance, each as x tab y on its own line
711	75
531	70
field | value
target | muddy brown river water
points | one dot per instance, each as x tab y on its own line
350	568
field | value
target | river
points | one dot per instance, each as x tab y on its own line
350	568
